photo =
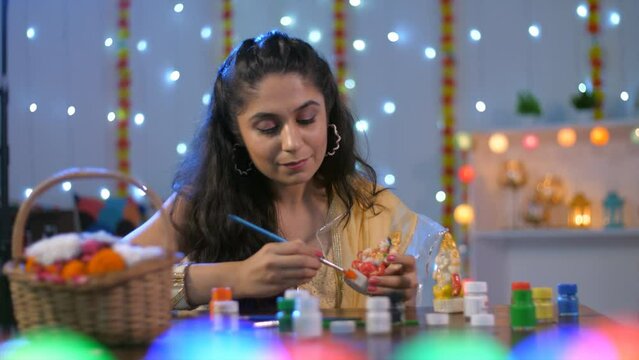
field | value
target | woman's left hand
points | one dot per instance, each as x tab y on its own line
399	276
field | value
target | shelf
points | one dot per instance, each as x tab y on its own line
554	126
557	234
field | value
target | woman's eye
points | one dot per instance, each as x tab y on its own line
306	121
267	127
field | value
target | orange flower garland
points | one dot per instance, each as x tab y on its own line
339	38
448	111
227	23
124	94
73	269
595	57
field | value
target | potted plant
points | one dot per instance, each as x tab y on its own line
584	102
528	106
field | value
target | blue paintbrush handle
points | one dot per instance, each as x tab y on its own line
256	228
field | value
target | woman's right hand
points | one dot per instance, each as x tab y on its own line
277	267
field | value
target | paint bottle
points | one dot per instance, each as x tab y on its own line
522	311
542	298
219	294
307	318
226	315
378	316
518	285
284	316
567	303
475	298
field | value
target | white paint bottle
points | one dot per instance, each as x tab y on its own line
378	316
475	298
307	318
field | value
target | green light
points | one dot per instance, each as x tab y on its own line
54	344
453	345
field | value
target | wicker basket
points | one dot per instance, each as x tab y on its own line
132	306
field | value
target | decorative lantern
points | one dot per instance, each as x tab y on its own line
580	214
512	174
613	210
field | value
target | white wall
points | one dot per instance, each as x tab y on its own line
68	64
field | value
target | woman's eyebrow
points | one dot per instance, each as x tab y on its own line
268	115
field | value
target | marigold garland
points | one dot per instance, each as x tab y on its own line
124	94
448	111
596	62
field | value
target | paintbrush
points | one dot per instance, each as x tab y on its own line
354	278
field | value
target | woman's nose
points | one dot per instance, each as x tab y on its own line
291	138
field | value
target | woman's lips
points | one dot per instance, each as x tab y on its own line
296	165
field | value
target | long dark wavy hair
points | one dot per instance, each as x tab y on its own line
208	180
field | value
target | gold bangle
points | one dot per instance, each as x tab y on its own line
178	292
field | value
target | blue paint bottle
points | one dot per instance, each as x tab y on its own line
567	303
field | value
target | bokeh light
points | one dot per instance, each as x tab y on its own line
634	135
599	136
53	344
530	141
463	140
566	137
464	214
453	345
498	143
466	174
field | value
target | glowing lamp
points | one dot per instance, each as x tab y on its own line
613	210
466	174
530	142
634	136
566	137
599	136
580	214
464	141
464	214
498	143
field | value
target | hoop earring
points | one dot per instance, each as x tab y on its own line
240	171
339	138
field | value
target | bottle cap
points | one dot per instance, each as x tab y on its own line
307	304
437	319
520	285
342	326
522	297
542	293
475	287
226	307
482	320
221	294
567	289
295	293
285	304
377	303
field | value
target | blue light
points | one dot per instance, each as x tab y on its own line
359	45
181	148
582	11
393	36
108	42
173	75
31	33
139	119
206	99
389	107
142	45
534	31
475	35
286	21
389	179
430	53
349	84
178	8
615	18
206	32
33	107
361	125
314	36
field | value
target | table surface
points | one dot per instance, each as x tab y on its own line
381	347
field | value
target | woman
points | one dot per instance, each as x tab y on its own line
278	149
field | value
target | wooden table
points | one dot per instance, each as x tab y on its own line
381	347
